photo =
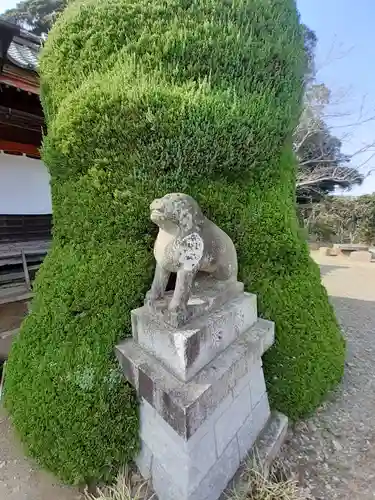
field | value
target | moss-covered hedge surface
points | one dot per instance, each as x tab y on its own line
145	97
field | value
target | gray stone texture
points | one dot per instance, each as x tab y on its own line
184	351
201	386
188	464
271	439
200	467
195	433
263	450
186	406
207	294
257	383
253	426
229	423
144	461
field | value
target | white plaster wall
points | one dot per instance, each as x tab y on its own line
24	186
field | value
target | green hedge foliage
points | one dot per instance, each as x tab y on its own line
144	98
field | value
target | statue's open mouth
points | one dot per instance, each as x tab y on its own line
156	213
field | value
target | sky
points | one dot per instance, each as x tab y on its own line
345	62
7	4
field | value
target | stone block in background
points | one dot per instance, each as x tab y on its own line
324	251
361	256
334	252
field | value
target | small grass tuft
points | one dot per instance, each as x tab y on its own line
256	483
128	486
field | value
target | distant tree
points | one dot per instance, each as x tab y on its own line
344	219
311	41
37	16
323	166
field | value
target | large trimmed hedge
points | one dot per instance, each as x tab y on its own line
143	98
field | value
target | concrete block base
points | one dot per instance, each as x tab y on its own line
265	449
270	440
196	430
200	468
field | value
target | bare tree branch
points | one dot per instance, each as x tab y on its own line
322	165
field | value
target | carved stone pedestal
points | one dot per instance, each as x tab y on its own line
202	390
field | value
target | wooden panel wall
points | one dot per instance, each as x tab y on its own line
25	227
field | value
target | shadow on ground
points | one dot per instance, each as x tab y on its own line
333	453
326	269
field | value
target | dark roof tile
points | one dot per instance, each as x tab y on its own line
22	55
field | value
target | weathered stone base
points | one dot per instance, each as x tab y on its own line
219	315
200	468
265	449
194	434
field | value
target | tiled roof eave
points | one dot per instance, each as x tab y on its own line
23	56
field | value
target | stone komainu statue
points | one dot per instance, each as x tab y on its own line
187	243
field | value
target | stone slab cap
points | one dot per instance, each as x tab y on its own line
351	247
207	294
186	405
324	250
188	349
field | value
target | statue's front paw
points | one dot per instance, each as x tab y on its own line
150	298
178	313
175	307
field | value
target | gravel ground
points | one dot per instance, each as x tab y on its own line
20	479
332	454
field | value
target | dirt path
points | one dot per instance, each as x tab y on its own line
19	478
333	453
